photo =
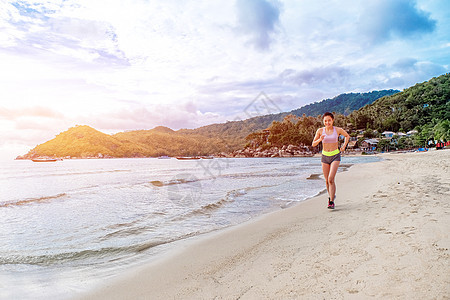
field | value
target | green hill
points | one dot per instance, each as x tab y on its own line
84	141
423	104
235	132
343	104
159	141
424	107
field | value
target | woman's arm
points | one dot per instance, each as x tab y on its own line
346	140
318	138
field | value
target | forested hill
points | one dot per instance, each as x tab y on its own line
343	104
84	141
235	132
421	106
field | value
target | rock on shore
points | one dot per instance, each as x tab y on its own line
284	151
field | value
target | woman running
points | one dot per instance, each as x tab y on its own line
331	156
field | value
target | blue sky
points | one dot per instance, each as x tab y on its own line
122	65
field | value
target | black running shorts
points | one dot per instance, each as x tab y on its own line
330	159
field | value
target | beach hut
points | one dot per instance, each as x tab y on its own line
388	134
369	144
412	132
352	145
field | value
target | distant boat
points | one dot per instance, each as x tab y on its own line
188	157
44	159
206	157
164	157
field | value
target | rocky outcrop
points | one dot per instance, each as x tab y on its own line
285	151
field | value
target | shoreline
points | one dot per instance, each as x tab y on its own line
228	156
375	243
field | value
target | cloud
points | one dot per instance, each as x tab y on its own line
403	73
30	125
289	89
34	28
184	115
329	75
258	18
405	64
383	20
423	69
97	40
35	111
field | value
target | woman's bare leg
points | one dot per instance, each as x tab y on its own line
326	172
331	186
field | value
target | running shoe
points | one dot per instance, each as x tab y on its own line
330	204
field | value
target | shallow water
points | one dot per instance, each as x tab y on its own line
68	224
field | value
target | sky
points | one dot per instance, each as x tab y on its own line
120	65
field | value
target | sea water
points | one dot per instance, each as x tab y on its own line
66	225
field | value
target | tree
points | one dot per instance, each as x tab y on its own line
369	133
383	145
441	130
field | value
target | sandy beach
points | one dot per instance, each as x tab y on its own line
387	238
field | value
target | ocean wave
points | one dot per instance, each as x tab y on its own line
261	175
175	181
190	178
32	200
230	197
212	206
315	176
125	232
15	176
106	253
